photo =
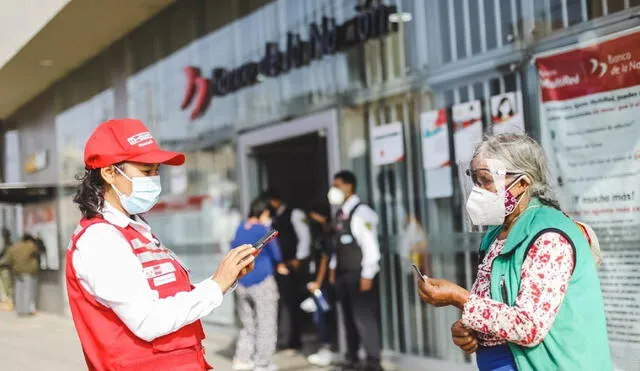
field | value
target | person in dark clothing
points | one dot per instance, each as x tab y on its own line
325	320
295	243
355	264
23	258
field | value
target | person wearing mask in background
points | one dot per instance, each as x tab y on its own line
324	319
536	303
132	301
6	282
295	244
23	258
257	294
354	270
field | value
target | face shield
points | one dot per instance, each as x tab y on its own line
485	183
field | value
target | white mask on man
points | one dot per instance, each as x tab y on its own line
336	196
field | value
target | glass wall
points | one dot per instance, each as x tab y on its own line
410	233
199	212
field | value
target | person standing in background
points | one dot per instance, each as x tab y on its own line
354	270
257	295
24	258
295	244
6	282
324	319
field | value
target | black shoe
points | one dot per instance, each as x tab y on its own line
346	366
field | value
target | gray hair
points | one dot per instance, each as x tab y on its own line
521	153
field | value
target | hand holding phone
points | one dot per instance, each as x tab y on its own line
261	243
418	273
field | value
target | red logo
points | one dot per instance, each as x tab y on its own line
199	87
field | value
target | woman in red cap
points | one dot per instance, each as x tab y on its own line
132	302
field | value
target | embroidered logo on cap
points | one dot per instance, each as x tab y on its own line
141	139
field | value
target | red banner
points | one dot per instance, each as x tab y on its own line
600	67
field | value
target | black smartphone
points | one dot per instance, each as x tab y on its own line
418	273
261	243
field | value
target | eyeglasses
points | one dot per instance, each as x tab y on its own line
483	177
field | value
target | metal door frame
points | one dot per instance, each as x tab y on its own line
326	121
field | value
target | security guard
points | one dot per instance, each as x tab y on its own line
354	270
133	304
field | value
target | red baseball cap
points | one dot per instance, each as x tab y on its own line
120	140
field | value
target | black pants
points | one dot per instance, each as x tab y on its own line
361	316
289	313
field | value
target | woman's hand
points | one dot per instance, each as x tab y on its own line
441	293
282	269
236	263
247	269
464	338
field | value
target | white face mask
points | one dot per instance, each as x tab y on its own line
486	208
336	196
145	193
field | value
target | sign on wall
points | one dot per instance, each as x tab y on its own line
436	158
325	38
387	144
467	124
589	111
506	113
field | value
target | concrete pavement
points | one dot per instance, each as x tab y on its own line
49	342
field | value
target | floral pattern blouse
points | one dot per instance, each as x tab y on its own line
546	272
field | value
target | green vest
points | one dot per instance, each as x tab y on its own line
577	339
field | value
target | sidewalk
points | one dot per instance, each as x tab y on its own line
49	342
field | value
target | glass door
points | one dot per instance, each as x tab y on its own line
254	166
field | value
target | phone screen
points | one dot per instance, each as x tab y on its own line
418	273
261	243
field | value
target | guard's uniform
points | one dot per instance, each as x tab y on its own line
357	256
107	343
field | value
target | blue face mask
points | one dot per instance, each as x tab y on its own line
145	193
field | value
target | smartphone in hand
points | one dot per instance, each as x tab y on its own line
261	243
418	273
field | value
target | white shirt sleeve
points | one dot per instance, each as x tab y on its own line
108	269
333	262
303	232
364	227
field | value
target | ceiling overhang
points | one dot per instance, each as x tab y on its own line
78	32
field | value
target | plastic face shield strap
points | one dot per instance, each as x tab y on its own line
485	174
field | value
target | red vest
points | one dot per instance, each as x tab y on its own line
106	341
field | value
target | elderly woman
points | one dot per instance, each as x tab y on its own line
536	303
